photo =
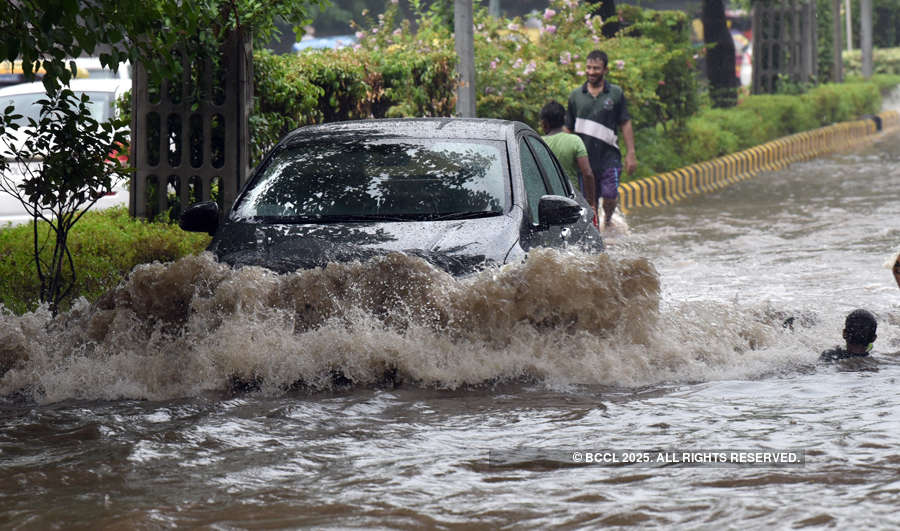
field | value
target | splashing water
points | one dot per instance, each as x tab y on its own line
196	325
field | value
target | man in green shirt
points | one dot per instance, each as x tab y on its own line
569	150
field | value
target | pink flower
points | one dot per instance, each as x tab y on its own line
565	58
620	64
494	64
548	13
580	72
397	32
512	27
662	82
550	28
360	35
531	67
395	2
596	38
518	63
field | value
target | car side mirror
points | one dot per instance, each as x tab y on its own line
558	210
200	217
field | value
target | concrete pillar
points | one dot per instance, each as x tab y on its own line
865	36
847	13
837	70
463	26
494	8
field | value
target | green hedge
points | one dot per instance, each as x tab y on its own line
884	61
316	86
105	245
757	119
395	71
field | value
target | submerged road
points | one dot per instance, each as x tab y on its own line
133	429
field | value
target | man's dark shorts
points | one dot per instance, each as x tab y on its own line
609	183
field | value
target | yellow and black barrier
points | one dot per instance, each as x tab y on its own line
711	175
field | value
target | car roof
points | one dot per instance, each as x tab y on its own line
482	128
79	85
87	66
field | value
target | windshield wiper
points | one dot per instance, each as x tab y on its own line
334	218
473	214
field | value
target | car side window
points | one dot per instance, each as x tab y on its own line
554	176
531	177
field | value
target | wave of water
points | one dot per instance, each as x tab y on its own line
561	318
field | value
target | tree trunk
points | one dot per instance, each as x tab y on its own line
607	12
720	59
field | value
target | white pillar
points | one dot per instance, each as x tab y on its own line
494	8
849	25
837	70
465	49
865	36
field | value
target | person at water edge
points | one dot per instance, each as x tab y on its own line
569	149
859	334
596	110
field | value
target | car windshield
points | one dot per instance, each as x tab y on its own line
101	105
330	179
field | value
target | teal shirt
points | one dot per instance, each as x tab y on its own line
567	148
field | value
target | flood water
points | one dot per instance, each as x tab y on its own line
198	396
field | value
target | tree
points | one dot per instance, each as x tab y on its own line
77	167
607	12
720	56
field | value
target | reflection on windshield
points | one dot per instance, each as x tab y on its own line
100	106
383	179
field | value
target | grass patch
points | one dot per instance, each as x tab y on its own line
105	246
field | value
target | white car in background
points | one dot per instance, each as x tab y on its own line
24	97
90	68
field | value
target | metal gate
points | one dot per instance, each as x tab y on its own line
190	136
784	44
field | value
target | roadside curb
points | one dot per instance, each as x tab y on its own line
673	186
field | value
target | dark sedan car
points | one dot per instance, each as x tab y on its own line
460	193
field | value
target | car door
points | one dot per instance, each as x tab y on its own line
536	185
581	233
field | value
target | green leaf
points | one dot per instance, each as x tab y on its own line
70	7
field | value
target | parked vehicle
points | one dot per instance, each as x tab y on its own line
103	94
86	67
461	193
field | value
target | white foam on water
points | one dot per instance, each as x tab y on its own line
562	318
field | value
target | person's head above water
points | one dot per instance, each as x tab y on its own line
859	330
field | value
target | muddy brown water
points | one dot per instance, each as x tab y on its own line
122	415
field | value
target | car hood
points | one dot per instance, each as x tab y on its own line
458	247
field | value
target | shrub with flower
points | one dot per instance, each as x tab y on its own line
401	68
646	60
